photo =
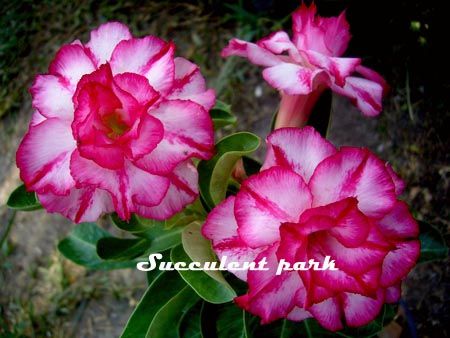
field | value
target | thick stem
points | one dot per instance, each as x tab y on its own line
295	109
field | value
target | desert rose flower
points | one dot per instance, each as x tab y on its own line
116	123
302	68
311	200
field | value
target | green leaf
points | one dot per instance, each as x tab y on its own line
215	173
166	322
80	247
198	248
230	321
432	244
21	199
280	328
113	248
190	326
157	295
221	115
321	113
206	287
135	225
162	239
155	273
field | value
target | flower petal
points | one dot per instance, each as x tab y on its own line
150	132
138	86
71	62
266	200
328	314
80	205
105	38
160	70
221	228
183	190
360	310
291	78
399	223
270	296
398	182
299	149
43	157
134	55
354	172
188	132
126	186
52	97
189	84
298	314
339	68
256	55
399	262
393	294
277	43
365	94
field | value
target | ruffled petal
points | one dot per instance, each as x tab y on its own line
328	313
183	190
339	68
299	149
367	257
161	69
138	86
329	36
372	75
150	132
268	199
360	310
399	262
188	132
43	157
398	182
51	97
354	172
291	78
37	118
105	38
134	55
126	186
393	294
343	219
256	55
298	314
80	205
277	43
399	223
270	296
71	62
189	84
221	228
365	94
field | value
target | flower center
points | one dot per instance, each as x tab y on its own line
115	124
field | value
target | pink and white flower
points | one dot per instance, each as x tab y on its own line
301	68
311	200
116	123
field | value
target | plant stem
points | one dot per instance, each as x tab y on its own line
8	228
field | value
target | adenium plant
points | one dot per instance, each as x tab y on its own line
122	127
301	68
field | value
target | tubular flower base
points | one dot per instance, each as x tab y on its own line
311	200
116	124
303	67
